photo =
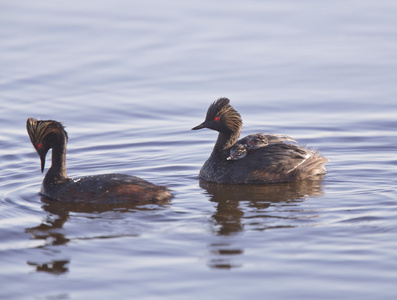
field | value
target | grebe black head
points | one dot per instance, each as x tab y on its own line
222	117
44	135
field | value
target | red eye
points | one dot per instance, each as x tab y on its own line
216	118
39	146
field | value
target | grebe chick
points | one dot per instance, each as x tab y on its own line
255	141
101	189
276	162
238	151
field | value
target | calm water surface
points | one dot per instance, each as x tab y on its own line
129	79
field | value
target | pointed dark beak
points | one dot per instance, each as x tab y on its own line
201	126
42	159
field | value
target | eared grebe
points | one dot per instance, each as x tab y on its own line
255	141
277	162
103	189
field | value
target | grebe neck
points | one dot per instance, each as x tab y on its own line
57	170
225	141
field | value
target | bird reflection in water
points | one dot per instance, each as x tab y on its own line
52	233
249	207
55	267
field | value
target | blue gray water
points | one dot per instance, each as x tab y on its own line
130	78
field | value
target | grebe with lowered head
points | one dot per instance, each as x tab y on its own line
277	162
101	189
